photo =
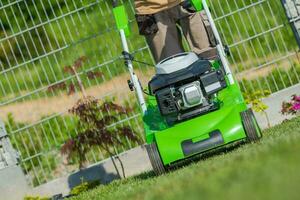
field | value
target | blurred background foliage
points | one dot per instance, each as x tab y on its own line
53	33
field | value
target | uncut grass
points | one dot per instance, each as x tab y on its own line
264	170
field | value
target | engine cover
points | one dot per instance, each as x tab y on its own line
186	75
192	95
188	92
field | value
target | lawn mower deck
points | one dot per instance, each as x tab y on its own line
200	133
170	144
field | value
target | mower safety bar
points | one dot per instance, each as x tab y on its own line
220	46
200	5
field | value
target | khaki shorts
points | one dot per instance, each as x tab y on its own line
167	40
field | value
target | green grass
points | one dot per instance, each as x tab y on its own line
268	169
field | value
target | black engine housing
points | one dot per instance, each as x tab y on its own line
166	88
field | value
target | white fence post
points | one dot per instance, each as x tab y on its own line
292	8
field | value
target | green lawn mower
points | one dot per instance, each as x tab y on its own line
194	105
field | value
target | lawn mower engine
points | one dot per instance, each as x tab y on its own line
186	86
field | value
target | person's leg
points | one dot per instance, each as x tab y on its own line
208	28
167	40
194	29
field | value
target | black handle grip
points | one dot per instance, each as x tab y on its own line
186	4
114	3
189	147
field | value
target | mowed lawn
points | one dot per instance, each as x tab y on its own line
269	169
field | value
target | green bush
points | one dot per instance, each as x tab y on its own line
83	187
36	198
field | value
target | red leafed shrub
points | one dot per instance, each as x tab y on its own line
73	70
94	129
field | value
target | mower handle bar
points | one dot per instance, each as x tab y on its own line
134	78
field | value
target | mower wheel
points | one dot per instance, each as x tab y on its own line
155	159
251	126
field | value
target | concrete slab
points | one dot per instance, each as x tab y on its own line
135	161
13	185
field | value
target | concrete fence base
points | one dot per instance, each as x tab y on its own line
135	161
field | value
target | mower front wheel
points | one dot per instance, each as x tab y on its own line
251	127
155	159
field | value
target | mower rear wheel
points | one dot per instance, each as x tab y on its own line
251	126
155	159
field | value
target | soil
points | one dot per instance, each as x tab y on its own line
34	110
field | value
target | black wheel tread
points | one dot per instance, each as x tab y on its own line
249	126
155	159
